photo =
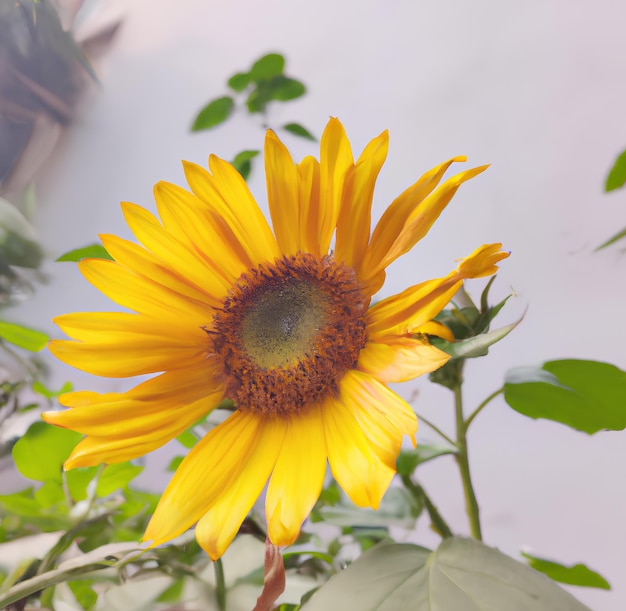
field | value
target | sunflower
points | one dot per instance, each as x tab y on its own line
278	322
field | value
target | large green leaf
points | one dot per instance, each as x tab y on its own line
576	575
41	452
461	575
588	396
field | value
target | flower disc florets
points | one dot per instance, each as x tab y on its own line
288	331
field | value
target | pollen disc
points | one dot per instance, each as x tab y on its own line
287	333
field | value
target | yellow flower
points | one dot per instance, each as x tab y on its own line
278	322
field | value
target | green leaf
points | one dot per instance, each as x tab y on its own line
242	162
267	67
23	337
116	477
238	82
41	452
617	175
49	494
618	236
213	113
187	439
174	463
588	396
408	460
18	239
40	388
298	130
461	574
474	346
93	251
283	89
82	590
576	575
78	481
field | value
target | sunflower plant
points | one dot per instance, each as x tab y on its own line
266	350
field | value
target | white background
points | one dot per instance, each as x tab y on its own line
535	88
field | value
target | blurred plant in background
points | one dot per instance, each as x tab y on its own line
69	540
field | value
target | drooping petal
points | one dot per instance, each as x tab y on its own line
398	359
408	219
335	160
210	469
383	416
282	194
354	464
298	476
219	525
227	194
402	314
353	226
121	426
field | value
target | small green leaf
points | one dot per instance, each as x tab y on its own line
618	236
298	130
41	452
175	462
40	388
213	113
93	251
617	175
460	574
408	460
116	477
283	89
267	67
585	395
85	596
187	439
242	162
23	337
474	346
576	575
238	82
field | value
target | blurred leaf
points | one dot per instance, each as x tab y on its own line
460	574
242	162
174	463
213	113
576	575
23	337
116	477
283	89
588	396
298	130
41	452
474	346
78	481
617	175
267	67
238	82
40	388
618	236
82	590
49	494
93	251
408	460
18	239
187	439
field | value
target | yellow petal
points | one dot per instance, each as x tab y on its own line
398	359
142	295
335	160
437	329
282	194
383	416
209	238
355	466
408	219
353	227
218	527
309	203
402	314
298	477
226	193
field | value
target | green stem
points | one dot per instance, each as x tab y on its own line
477	411
462	460
436	519
435	428
220	588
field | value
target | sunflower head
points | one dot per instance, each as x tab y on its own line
223	307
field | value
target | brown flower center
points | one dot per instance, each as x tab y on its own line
287	333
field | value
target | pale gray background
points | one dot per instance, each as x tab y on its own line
536	88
